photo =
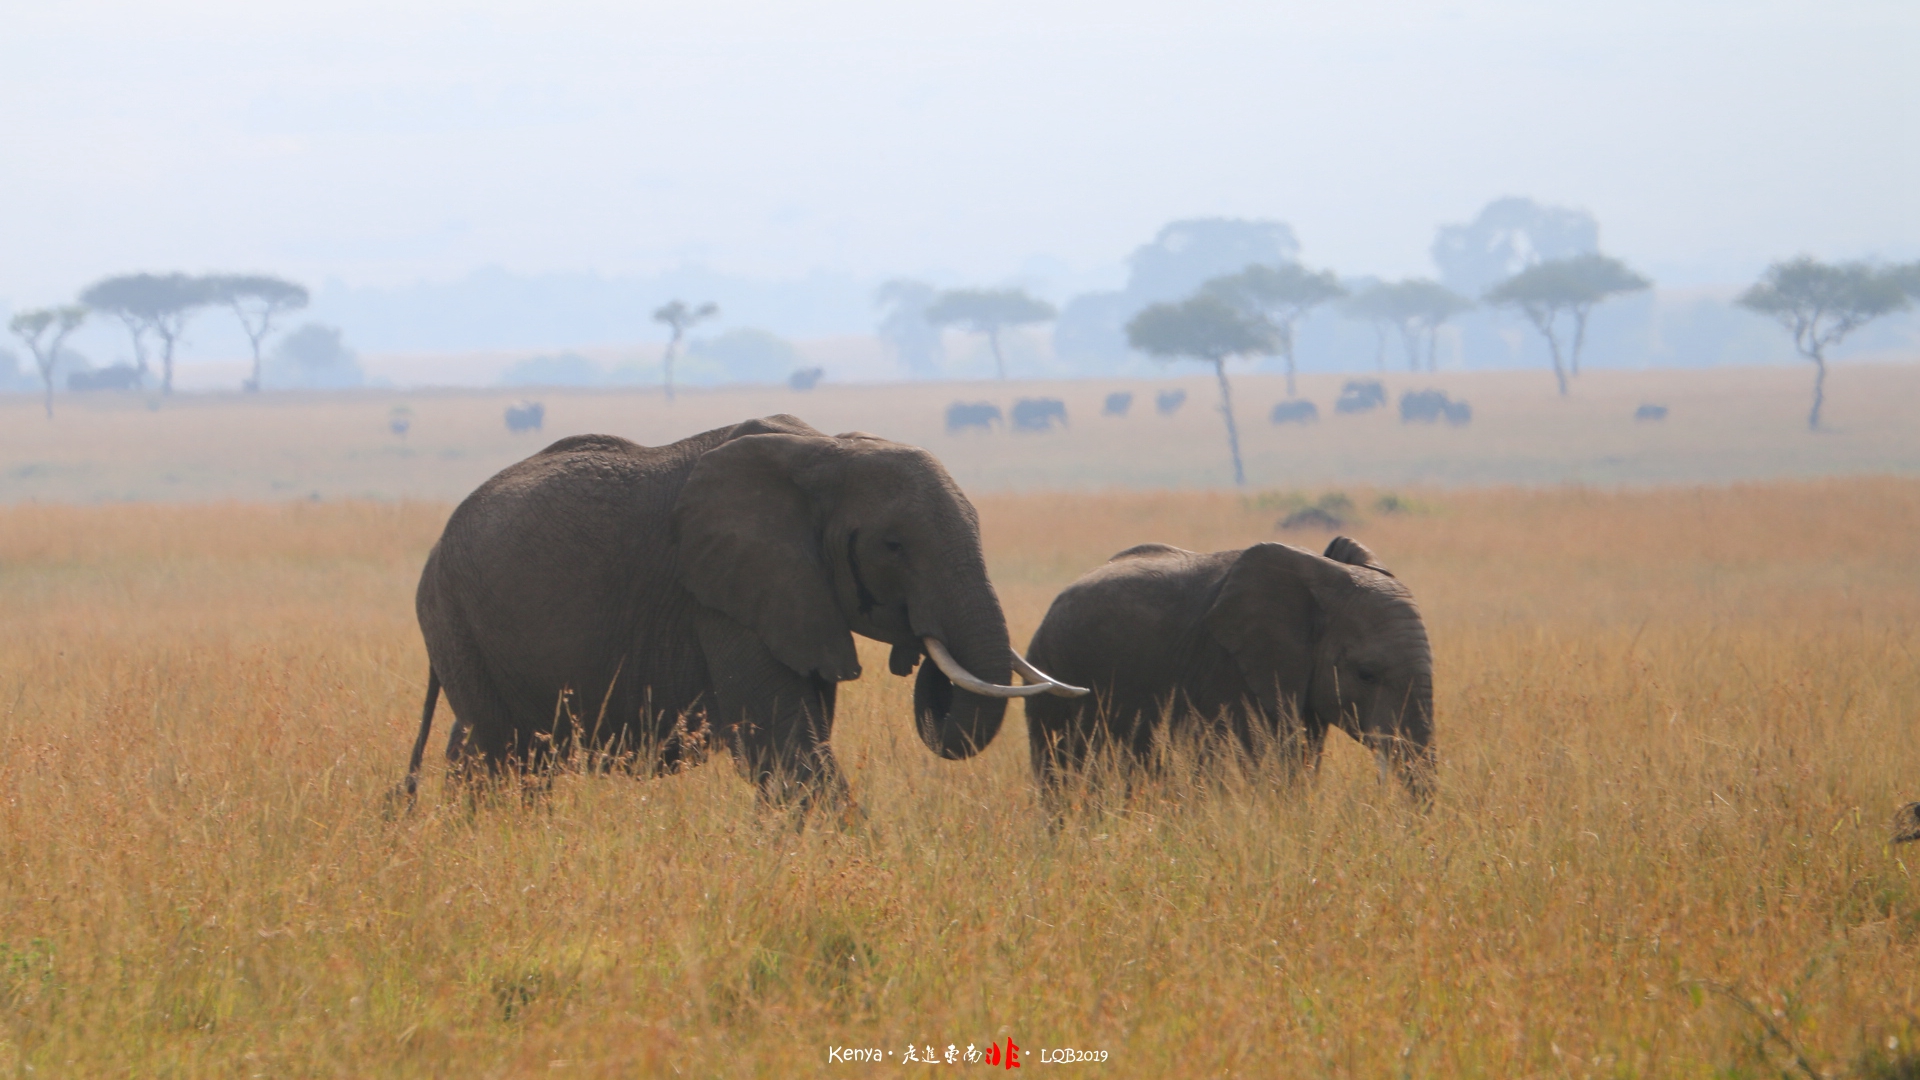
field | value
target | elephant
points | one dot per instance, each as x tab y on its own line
1272	645
1038	414
653	600
965	414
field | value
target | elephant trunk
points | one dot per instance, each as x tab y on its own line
1405	745
953	722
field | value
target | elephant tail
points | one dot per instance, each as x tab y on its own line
426	726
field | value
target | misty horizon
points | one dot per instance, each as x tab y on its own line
1036	146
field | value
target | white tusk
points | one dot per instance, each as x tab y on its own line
1035	675
967	680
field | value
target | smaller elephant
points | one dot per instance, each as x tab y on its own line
1168	402
1117	404
1271	645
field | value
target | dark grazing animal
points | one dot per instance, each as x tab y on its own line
1297	411
1360	395
806	378
1168	402
1650	412
633	598
1432	406
967	414
526	416
1117	404
1038	414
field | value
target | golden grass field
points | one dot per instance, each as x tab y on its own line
1673	724
1726	424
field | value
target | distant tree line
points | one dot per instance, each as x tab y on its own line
155	310
1219	290
1540	263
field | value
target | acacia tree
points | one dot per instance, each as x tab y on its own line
161	303
681	318
257	300
1820	304
989	311
1417	308
1573	286
45	332
1277	296
1205	327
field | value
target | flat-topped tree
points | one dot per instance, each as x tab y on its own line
989	311
680	318
1572	286
1207	328
45	331
1416	307
1820	304
257	300
161	303
1277	296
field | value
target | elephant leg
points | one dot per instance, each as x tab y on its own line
777	723
480	739
1056	744
479	745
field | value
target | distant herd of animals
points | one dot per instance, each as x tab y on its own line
1362	395
643	605
1356	396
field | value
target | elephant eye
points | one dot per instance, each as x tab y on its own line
894	546
1367	675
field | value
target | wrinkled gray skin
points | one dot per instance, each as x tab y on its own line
707	588
1272	645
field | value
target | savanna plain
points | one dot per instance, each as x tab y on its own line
1673	723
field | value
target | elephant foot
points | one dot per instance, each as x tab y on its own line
400	799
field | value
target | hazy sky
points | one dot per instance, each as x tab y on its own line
388	142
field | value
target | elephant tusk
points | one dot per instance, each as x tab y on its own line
967	680
1035	675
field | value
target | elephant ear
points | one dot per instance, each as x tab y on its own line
1269	615
747	529
1354	553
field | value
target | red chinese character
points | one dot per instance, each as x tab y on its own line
1013	1054
993	1053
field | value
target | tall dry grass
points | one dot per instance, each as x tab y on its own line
1672	724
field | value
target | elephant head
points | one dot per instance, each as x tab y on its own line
1338	642
807	539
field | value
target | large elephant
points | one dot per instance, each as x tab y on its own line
1271	644
650	599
